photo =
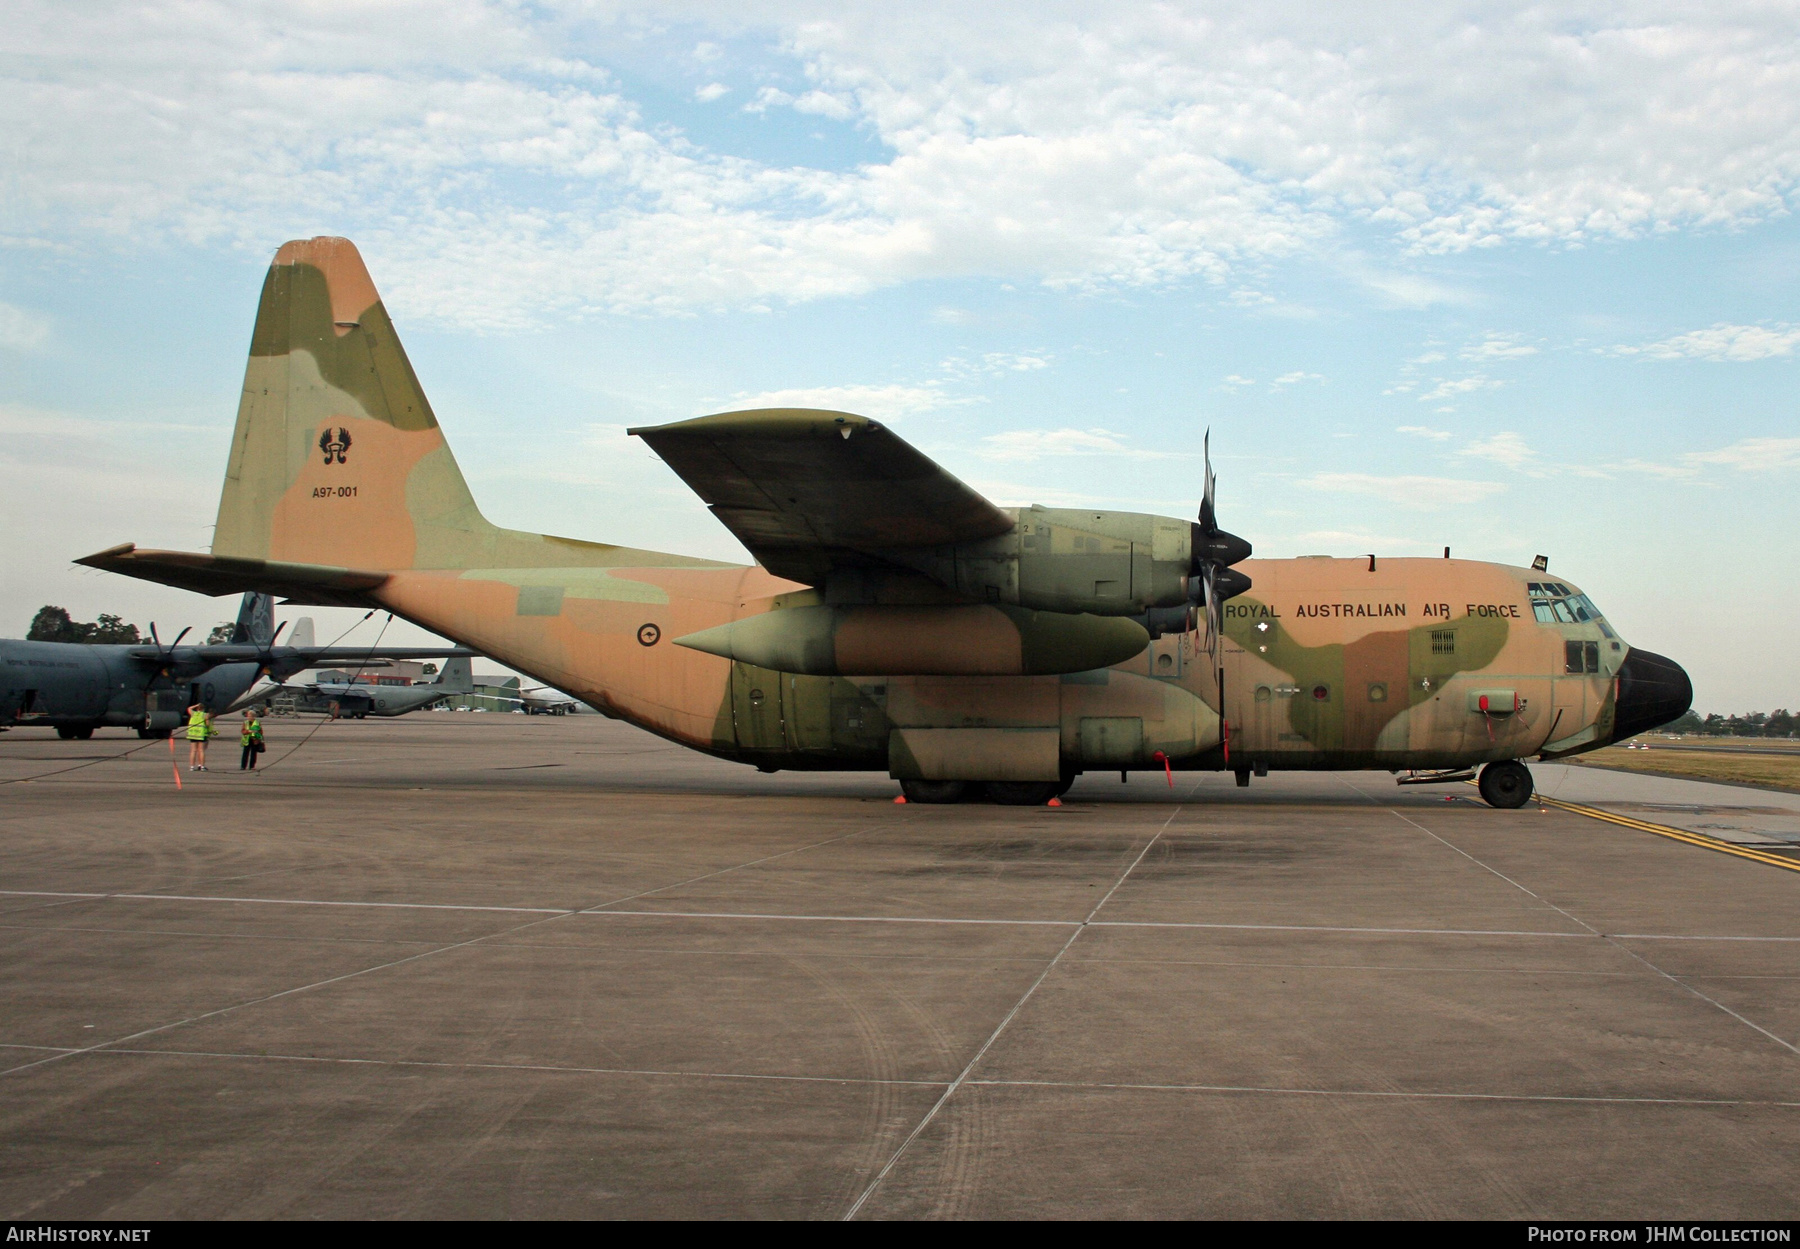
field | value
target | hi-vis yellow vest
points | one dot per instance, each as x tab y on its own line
197	727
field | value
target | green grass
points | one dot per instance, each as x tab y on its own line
1779	771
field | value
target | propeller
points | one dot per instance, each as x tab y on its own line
266	660
165	655
1212	580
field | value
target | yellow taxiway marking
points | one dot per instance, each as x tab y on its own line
1674	834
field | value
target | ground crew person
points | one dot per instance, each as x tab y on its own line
251	738
199	728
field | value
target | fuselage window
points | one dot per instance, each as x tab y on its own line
1581	658
1443	641
1321	693
1378	693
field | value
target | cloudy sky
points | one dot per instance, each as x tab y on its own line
1508	278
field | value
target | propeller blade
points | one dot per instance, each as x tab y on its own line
179	636
1209	520
1210	576
154	638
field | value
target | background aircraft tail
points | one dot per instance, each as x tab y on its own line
255	621
457	676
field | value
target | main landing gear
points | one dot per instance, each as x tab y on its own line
1506	785
1006	793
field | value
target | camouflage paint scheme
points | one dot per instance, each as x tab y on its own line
340	489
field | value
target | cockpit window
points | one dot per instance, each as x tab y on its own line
1552	602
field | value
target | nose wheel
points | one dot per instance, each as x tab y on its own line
1506	785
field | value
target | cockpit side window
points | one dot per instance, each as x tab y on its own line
1552	602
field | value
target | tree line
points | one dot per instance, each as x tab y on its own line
1777	723
53	624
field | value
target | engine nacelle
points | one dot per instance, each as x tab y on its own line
931	640
1064	560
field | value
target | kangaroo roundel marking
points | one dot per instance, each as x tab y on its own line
335	448
649	635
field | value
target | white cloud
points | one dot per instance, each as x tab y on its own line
1423	431
881	402
1506	448
1449	388
22	330
1747	455
1499	347
824	104
767	98
1234	381
498	172
1722	342
993	363
1294	379
710	92
1752	455
1417	493
1034	444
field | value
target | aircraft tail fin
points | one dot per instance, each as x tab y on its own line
302	633
337	458
457	676
255	620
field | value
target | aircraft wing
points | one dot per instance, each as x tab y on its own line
810	490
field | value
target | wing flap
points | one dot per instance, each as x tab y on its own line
807	490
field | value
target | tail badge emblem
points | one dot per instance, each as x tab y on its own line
334	448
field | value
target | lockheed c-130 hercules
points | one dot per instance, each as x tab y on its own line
896	619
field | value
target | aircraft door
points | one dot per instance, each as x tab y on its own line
757	703
807	711
1249	701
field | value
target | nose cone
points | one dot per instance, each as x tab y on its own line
1652	691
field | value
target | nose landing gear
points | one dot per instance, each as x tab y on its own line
1506	785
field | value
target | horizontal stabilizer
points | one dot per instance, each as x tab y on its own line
303	656
320	585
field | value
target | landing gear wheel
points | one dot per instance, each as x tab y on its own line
1243	778
934	791
71	733
153	735
1506	785
1021	793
